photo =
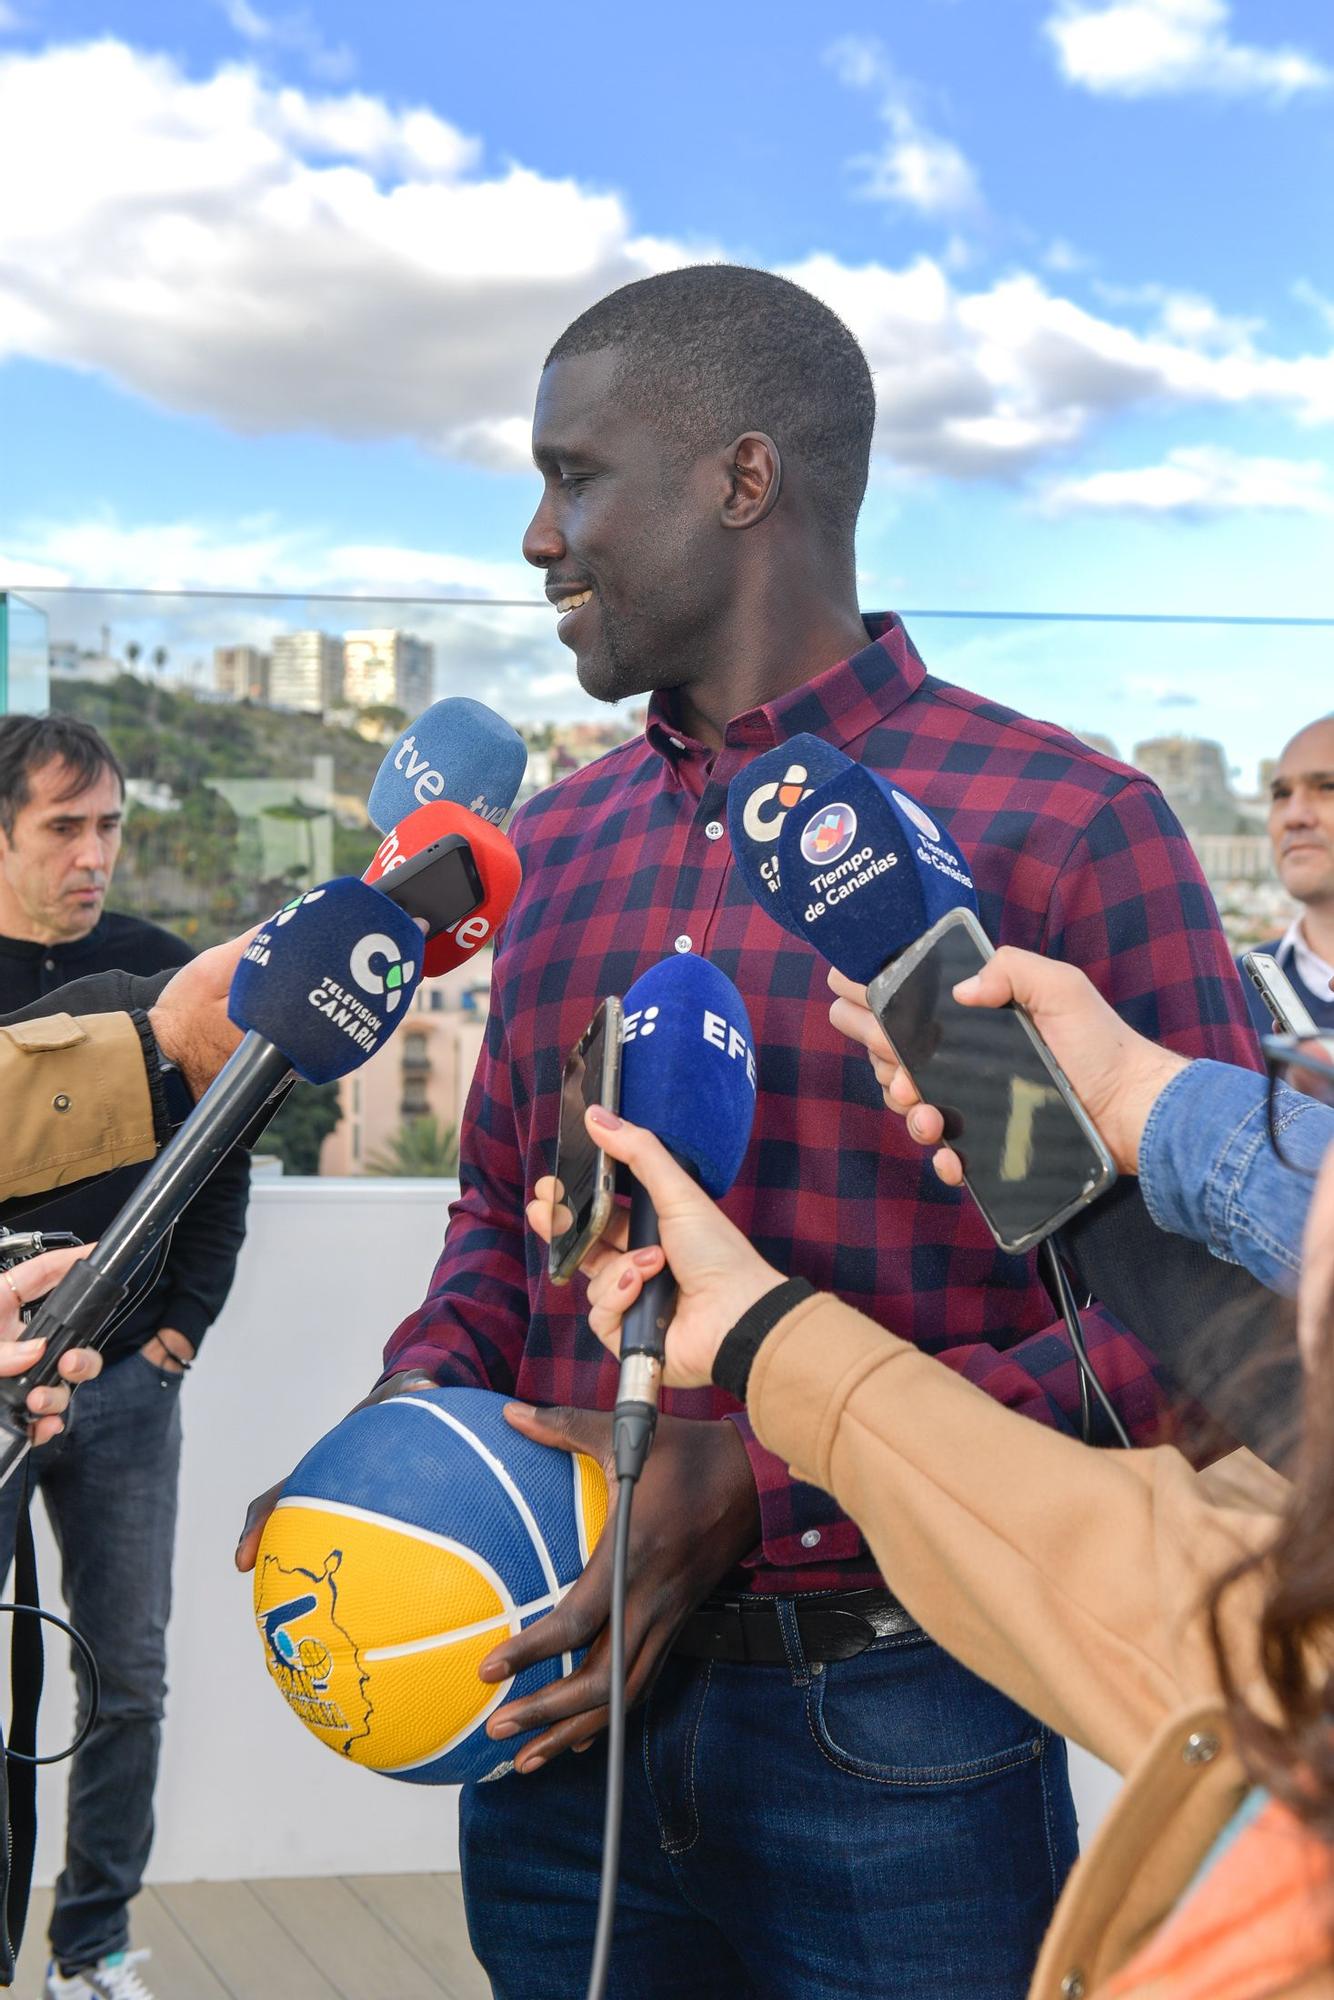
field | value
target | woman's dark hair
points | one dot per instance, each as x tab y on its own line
28	742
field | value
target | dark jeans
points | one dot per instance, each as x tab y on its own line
887	1825
109	1484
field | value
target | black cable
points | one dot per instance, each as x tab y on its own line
611	1824
1088	1377
94	1685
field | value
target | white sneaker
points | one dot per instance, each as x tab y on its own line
112	1978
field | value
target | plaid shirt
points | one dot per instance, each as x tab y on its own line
627	860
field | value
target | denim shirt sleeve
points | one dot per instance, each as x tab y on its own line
1208	1171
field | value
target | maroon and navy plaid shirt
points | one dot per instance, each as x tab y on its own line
628	860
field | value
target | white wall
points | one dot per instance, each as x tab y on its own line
328	1268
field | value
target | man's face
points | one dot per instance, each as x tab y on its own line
1301	815
627	534
56	864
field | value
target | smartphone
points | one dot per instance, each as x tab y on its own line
585	1177
440	884
1279	994
1031	1155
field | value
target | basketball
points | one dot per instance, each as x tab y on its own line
416	1536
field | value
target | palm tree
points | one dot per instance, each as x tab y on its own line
422	1149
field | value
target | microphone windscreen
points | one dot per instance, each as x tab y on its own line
497	865
865	870
759	800
688	1066
328	978
458	750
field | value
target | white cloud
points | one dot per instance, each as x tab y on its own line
1147	48
295	32
915	168
283	261
1200	480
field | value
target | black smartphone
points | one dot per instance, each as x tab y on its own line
1031	1154
440	884
585	1177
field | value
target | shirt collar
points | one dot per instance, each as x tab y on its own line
1313	971
841	704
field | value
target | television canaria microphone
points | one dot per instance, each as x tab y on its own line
865	870
458	752
495	870
688	1075
321	987
759	800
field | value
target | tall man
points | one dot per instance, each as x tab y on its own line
109	1483
819	1801
1301	828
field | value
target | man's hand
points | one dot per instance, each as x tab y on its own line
190	1023
169	1350
22	1286
260	1508
1117	1074
696	1514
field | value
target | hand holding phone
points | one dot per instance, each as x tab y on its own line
1031	1155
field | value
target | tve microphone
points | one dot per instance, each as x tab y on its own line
688	1075
865	870
321	987
759	800
495	863
460	751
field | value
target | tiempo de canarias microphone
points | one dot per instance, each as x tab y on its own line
688	1075
322	986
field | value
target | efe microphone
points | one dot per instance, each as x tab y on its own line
321	987
688	1075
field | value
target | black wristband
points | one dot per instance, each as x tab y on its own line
735	1358
157	1089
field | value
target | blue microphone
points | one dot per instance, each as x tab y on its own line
321	987
865	870
458	750
688	1074
759	800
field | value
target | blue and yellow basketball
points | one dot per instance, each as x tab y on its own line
409	1542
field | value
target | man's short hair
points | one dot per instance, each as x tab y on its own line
715	350
28	742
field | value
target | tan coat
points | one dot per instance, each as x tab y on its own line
74	1101
1071	1579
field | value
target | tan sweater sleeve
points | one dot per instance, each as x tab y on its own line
1071	1578
74	1101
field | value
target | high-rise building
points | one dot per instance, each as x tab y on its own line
306	671
388	668
241	672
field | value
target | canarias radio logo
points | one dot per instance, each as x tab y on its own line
760	819
829	834
397	971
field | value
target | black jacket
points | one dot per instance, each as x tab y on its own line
114	967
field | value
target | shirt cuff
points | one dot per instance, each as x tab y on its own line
800	1525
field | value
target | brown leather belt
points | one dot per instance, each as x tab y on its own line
834	1625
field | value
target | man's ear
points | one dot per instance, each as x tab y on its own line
756	479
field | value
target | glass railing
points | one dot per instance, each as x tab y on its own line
252	728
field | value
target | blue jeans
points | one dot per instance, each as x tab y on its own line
109	1484
883	1825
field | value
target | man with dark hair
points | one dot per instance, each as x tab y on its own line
109	1483
819	1801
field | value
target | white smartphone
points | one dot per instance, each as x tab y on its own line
1280	996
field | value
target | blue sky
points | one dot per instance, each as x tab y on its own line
276	290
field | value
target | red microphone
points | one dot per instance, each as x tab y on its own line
495	871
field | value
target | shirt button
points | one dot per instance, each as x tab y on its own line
811	1539
676	742
1199	1747
60	1102
684	943
48	965
714	830
1072	1986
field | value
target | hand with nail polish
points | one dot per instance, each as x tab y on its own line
21	1286
1117	1074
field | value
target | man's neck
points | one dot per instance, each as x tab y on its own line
1317	927
770	646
